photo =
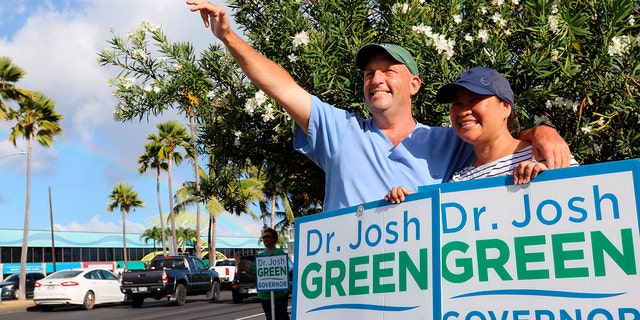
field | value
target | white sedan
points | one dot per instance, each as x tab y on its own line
85	287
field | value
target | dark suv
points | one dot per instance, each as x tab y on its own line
10	286
244	283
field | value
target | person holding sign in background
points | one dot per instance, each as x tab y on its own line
482	114
281	298
364	158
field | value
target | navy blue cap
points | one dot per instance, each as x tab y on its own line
480	80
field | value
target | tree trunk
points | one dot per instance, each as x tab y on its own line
124	240
172	216
213	241
22	283
164	241
273	208
192	125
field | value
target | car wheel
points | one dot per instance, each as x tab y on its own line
237	297
137	301
180	295
89	301
214	293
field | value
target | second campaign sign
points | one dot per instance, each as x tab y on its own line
566	246
272	273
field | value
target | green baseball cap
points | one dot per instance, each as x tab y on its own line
398	53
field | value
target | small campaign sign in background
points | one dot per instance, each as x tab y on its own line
272	273
566	246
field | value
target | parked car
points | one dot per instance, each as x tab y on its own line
244	283
226	269
85	287
10	287
173	277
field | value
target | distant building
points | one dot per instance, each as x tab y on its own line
90	248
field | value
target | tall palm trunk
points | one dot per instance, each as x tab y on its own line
273	208
124	240
164	241
192	126
213	242
172	217
210	245
25	231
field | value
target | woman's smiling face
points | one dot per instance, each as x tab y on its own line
478	118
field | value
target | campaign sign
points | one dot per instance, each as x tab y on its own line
566	246
272	273
367	262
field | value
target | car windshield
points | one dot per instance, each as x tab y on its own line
64	274
167	263
13	278
225	263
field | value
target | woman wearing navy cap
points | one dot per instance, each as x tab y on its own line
482	115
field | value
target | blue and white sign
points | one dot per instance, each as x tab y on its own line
272	273
566	246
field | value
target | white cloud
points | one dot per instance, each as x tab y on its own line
56	42
96	225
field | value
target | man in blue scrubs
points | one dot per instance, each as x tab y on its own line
364	158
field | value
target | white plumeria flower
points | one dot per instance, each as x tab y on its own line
260	97
139	54
439	41
574	106
457	18
250	106
468	38
497	19
269	114
127	82
161	59
151	27
619	46
236	140
400	8
548	104
553	24
483	35
300	39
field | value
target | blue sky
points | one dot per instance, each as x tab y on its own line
56	42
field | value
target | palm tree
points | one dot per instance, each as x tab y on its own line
151	159
185	235
38	120
221	184
9	75
126	199
172	135
154	234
